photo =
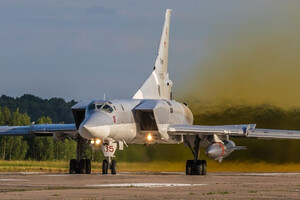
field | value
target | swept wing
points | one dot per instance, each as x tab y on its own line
244	130
39	129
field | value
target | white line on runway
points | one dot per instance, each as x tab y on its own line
56	175
10	179
31	173
146	185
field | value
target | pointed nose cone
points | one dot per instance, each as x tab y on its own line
94	127
89	132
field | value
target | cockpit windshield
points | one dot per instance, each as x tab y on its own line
107	108
100	106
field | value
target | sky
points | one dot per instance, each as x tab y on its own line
85	49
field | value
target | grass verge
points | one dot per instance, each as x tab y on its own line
156	166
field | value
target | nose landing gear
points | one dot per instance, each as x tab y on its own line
108	151
109	165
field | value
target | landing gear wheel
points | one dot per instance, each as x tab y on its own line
204	166
82	166
113	167
104	167
188	167
198	168
72	168
88	166
195	168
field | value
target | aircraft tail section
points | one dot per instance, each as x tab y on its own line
158	85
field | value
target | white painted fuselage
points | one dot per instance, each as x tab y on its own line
130	120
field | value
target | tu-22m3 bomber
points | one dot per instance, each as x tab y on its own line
151	116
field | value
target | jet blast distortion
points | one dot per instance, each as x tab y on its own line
151	116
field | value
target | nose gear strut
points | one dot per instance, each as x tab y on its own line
108	150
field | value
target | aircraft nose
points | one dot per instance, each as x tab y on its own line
95	126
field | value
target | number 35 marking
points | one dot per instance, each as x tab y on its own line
109	149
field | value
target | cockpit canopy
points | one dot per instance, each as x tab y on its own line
103	106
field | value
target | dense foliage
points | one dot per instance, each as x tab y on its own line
55	108
33	148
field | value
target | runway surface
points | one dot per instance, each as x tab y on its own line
150	186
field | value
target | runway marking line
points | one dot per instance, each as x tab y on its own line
10	179
55	175
145	185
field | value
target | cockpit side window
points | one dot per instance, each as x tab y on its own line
107	108
91	107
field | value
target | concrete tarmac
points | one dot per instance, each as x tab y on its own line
150	186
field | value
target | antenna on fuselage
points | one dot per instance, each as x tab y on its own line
104	97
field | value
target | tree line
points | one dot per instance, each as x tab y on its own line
35	107
31	148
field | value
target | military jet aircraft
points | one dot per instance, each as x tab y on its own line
151	116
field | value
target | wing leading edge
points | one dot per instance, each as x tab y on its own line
39	129
210	130
273	133
244	130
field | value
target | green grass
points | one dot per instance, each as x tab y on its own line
156	166
33	166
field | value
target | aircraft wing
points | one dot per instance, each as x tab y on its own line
273	133
246	130
39	129
209	130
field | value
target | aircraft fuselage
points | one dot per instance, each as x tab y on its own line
132	121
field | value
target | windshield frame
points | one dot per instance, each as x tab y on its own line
109	108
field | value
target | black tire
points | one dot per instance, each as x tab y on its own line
88	166
104	167
72	168
82	166
188	167
113	167
198	167
204	167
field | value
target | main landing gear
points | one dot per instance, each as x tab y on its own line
195	167
80	165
